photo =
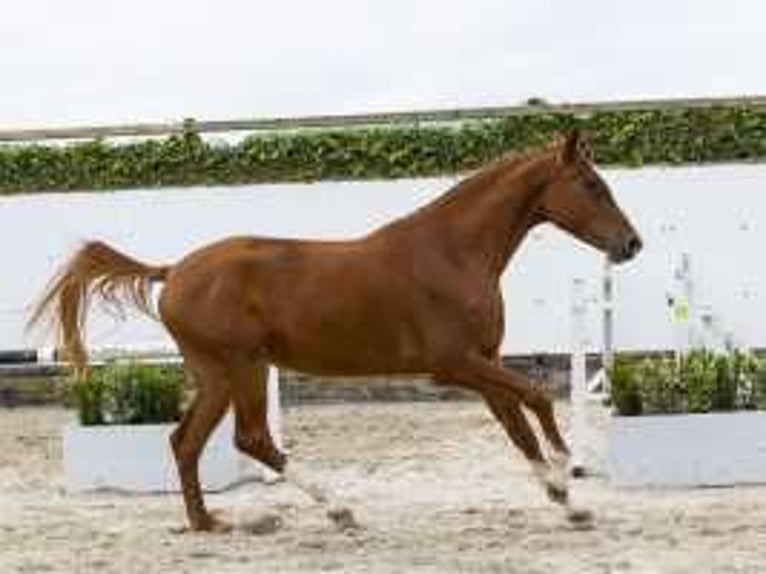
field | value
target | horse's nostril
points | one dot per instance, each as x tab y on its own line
634	246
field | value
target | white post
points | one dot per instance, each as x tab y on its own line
607	357
578	382
273	410
683	312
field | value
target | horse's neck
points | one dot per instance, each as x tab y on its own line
483	226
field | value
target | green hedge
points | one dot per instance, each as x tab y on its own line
129	393
622	138
701	381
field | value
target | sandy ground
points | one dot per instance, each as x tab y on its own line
435	486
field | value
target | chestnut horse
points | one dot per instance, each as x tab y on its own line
418	295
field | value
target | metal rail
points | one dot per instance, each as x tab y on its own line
534	106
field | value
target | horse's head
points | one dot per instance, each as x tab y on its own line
580	202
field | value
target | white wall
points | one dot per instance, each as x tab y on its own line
712	212
98	61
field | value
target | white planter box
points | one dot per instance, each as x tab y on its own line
714	449
138	458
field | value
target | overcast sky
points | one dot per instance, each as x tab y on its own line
103	61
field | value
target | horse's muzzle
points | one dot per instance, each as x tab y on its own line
627	250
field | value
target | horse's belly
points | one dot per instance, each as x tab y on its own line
350	349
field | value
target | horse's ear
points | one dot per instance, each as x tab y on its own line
585	147
575	145
570	149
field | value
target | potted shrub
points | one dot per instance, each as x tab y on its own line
126	412
694	421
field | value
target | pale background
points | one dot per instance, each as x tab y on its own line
106	61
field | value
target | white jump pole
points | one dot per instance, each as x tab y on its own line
607	294
682	306
273	408
578	383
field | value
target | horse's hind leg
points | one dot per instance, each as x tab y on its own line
189	438
252	435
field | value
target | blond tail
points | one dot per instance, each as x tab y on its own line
96	269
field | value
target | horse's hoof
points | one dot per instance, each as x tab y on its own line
278	461
272	457
557	494
262	449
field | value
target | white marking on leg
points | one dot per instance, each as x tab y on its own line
542	472
560	469
560	460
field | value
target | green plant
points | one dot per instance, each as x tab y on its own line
700	381
659	386
624	387
757	370
623	136
703	376
88	397
751	390
130	393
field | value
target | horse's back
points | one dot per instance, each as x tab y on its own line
235	283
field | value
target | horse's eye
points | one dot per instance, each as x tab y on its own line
592	186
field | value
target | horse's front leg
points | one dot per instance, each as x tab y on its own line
489	376
505	391
507	411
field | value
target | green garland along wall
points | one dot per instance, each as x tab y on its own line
623	137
